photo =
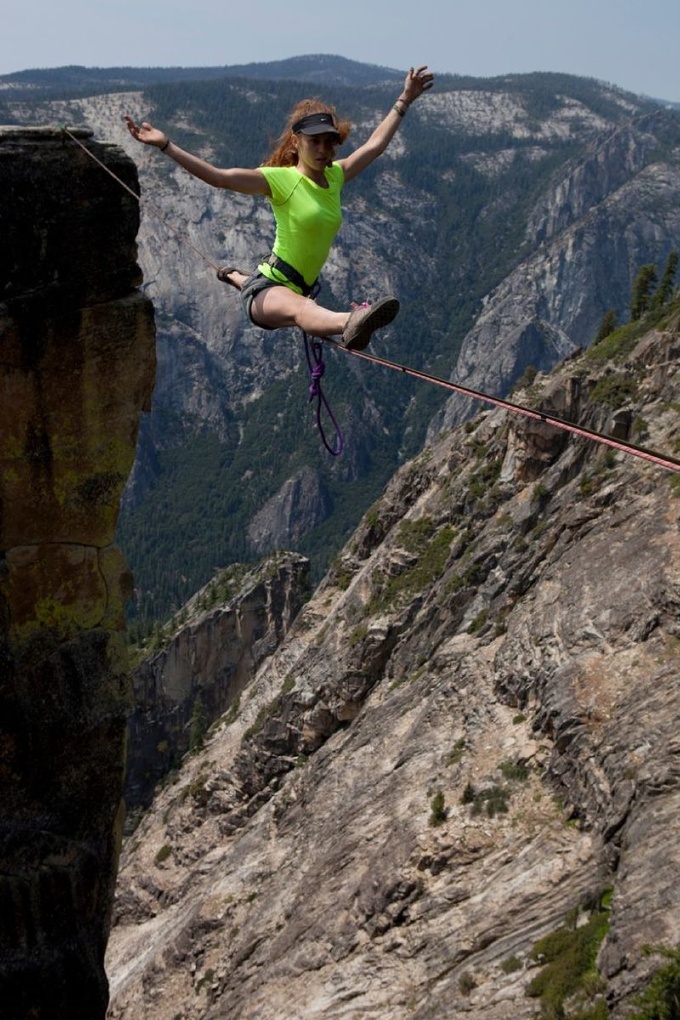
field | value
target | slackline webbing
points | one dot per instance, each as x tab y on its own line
660	459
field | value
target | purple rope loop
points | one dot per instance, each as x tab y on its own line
315	362
317	371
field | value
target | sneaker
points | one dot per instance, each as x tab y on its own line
364	321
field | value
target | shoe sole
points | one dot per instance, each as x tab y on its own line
382	314
222	275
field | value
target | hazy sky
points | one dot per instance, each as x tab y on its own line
628	43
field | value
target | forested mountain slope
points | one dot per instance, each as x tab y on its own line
508	216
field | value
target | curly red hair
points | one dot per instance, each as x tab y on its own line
284	152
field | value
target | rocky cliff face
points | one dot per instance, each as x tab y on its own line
609	212
219	641
76	370
469	734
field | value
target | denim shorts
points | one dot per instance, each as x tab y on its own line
253	285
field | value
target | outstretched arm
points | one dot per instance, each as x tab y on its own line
249	182
416	82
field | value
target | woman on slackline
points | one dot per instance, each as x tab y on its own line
302	180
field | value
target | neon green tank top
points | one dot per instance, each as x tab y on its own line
307	219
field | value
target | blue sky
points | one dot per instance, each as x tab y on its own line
628	43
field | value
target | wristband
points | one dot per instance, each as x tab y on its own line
164	147
398	109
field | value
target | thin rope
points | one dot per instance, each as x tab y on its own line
182	238
660	459
652	456
313	351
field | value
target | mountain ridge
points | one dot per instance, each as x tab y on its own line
338	69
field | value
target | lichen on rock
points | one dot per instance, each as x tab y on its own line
77	364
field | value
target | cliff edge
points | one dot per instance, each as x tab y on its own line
77	365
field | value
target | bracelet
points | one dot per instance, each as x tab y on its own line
164	147
398	109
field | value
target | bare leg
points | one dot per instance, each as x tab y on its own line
280	306
277	307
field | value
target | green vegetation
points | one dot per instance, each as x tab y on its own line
207	979
495	799
466	982
482	481
615	390
661	998
514	771
607	325
438	811
432	549
568	957
198	724
511	965
162	854
232	714
643	287
479	622
526	379
649	307
615	346
665	289
457	752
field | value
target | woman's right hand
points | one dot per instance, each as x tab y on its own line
145	132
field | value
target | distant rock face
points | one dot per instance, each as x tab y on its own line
301	503
611	211
206	666
77	363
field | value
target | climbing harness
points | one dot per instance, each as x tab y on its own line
291	274
317	368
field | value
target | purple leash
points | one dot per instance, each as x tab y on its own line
317	368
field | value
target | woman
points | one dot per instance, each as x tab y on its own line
303	181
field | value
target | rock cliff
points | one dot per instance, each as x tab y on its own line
468	737
585	233
77	364
216	644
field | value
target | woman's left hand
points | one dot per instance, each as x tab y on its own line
417	81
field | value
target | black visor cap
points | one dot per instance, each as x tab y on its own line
315	124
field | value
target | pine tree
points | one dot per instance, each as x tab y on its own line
643	288
607	326
665	291
198	725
